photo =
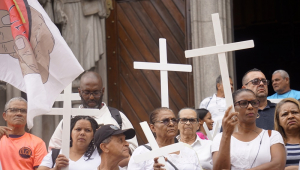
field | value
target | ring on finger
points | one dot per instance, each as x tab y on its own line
233	118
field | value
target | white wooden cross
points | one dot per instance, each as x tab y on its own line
164	67
67	111
220	49
208	134
275	100
156	151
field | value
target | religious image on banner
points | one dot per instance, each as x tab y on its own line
34	56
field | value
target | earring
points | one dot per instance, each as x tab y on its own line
258	115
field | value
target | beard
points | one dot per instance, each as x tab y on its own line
98	102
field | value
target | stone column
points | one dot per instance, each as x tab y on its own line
206	69
101	66
2	101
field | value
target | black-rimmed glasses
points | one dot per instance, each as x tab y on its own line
167	121
185	120
94	93
16	110
245	103
257	81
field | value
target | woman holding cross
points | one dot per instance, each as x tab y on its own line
251	147
164	125
83	153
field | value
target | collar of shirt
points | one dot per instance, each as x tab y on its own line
197	141
269	105
102	111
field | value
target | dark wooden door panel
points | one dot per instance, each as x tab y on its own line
133	31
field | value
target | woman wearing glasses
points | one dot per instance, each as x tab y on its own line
287	123
250	147
163	124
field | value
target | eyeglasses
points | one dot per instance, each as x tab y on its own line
88	93
167	121
185	120
257	81
245	103
16	110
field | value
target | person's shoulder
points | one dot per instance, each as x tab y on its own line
272	96
271	104
141	149
34	138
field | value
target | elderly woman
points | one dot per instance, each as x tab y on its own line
83	154
251	147
163	124
287	123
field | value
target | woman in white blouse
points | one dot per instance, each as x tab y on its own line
164	125
251	147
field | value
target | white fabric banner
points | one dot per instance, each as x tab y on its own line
34	57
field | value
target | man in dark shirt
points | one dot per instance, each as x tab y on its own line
256	81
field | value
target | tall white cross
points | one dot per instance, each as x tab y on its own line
67	111
164	67
156	151
220	49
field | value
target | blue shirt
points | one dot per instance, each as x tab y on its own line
266	117
290	94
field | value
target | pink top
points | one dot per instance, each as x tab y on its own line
202	136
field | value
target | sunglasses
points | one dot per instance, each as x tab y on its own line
245	103
167	121
185	120
257	81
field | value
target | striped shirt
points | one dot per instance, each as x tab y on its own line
293	154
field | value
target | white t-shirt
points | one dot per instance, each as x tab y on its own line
186	160
256	152
103	118
202	148
216	106
80	164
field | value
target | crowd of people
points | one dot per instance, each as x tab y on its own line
258	135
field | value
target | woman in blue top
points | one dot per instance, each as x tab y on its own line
287	123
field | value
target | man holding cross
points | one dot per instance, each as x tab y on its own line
256	81
216	104
91	91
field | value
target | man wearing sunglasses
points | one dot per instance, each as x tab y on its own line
19	149
91	91
281	85
188	125
256	81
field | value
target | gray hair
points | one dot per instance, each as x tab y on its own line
7	105
107	140
283	73
219	81
186	108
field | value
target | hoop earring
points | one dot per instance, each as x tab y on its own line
258	115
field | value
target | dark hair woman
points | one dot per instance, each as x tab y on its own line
204	116
287	123
250	147
164	125
83	154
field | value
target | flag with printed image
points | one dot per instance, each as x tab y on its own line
34	57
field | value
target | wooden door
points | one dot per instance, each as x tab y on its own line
133	30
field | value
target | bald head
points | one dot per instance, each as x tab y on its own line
91	90
91	76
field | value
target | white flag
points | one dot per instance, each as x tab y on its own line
34	57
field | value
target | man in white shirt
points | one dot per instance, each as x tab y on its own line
188	125
91	91
216	104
